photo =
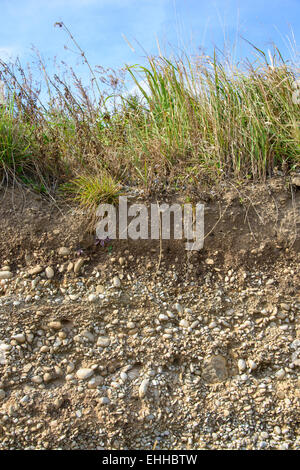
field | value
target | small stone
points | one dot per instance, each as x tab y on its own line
93	298
123	376
5	268
88	335
143	388
20	338
296	180
116	281
100	289
78	265
2	394
84	374
74	296
36	270
252	364
63	251
184	323
49	272
58	371
103	341
95	382
241	365
37	379
70	367
47	377
5	347
70	267
6	275
163	317
280	374
104	401
178	307
277	430
55	325
58	402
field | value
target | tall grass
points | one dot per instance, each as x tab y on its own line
238	123
193	119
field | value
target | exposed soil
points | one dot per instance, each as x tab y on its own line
199	350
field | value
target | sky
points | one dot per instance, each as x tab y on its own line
103	28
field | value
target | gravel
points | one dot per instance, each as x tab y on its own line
172	360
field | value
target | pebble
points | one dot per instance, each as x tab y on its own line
5	268
178	308
78	265
163	317
95	382
123	376
36	270
84	374
49	272
47	377
74	296
104	401
103	341
37	379
242	365
189	355
93	298
63	251
184	323
88	335
20	338
252	364
280	374
116	281
6	275
143	388
56	325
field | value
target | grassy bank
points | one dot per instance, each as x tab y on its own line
194	120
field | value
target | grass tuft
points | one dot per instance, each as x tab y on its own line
89	191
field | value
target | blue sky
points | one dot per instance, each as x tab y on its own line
99	27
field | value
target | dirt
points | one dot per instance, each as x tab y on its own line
213	336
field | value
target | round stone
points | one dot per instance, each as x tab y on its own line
84	373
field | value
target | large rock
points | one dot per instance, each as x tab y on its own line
215	370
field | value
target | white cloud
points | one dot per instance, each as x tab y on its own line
9	52
135	90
